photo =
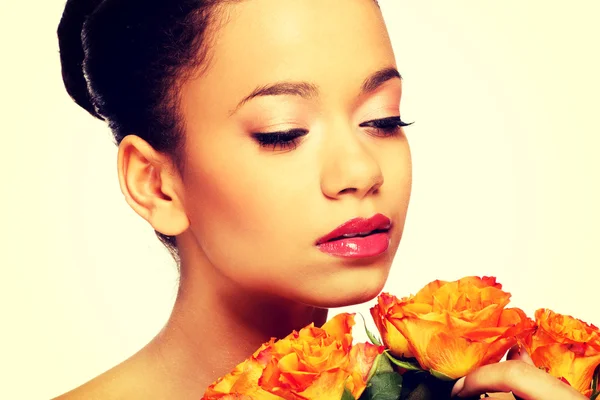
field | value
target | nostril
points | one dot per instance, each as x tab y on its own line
348	190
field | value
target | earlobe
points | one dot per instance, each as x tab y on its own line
149	183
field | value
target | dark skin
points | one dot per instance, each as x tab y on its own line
516	378
250	267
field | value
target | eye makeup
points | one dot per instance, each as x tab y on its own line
385	126
289	139
281	140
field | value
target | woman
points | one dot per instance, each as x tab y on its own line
270	160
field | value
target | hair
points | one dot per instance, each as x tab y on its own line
124	60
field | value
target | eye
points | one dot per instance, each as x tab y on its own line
282	140
385	126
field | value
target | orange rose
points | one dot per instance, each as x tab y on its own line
242	382
454	327
314	363
566	347
393	339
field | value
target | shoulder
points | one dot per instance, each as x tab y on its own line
147	375
132	379
113	384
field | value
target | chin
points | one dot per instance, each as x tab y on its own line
348	291
352	299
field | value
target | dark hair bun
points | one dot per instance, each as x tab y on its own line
124	61
72	53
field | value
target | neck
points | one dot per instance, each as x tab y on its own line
216	324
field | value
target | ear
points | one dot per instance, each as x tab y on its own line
151	185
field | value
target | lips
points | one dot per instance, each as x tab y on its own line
358	227
358	238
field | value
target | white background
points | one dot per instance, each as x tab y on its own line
506	146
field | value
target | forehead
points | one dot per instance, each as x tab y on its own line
335	43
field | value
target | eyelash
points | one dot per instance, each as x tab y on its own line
288	140
386	126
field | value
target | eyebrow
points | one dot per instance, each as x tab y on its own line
309	90
377	79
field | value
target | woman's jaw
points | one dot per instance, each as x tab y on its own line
257	201
314	278
291	130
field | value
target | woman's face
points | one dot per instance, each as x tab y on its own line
258	203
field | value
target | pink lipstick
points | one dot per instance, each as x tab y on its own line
358	238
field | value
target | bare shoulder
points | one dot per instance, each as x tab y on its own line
152	373
133	379
119	382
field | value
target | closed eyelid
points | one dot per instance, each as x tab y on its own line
383	102
393	120
292	131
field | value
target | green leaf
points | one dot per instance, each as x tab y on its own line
370	334
440	376
383	386
381	365
595	396
347	395
402	363
421	386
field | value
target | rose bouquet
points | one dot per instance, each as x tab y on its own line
428	341
314	363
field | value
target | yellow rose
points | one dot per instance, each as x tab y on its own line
454	327
314	363
566	347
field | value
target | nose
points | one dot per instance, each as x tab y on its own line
350	168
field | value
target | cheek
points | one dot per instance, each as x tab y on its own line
397	170
241	208
396	191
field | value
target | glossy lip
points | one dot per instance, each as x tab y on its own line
378	222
